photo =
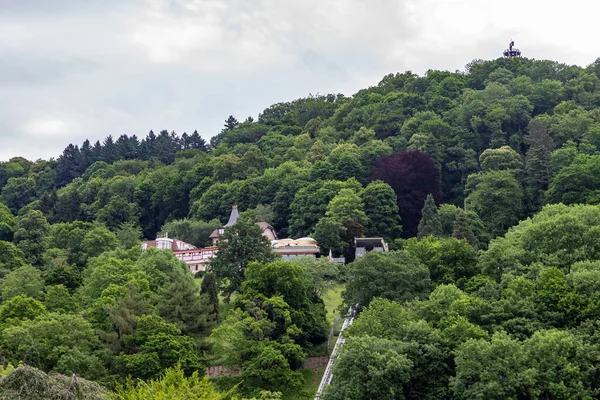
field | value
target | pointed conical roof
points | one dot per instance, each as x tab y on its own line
233	217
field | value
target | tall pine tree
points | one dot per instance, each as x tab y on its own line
537	163
181	304
209	289
430	224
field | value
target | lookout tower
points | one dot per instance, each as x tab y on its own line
512	51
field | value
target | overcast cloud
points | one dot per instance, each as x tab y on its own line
77	69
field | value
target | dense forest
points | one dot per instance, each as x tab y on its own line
485	183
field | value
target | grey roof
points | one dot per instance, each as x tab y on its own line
233	217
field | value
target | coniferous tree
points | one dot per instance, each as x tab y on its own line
196	142
430	223
464	230
97	152
109	150
181	304
209	289
87	155
537	163
231	123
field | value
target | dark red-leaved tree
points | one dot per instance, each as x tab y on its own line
412	175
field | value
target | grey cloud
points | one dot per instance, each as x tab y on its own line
30	8
28	68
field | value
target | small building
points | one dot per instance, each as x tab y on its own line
267	229
364	245
195	258
290	248
198	259
168	244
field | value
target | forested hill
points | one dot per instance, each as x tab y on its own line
486	185
509	132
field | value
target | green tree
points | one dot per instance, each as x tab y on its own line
58	299
7	223
500	159
173	385
50	340
190	231
155	346
391	275
31	232
382	210
181	304
369	368
497	199
240	245
11	258
347	205
21	307
449	260
328	233
285	279
430	223
538	162
491	369
552	355
25	280
208	288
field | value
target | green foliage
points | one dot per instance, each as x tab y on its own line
497	198
25	280
448	260
7	223
557	236
381	209
11	258
370	368
48	341
503	158
293	284
392	275
240	245
58	299
190	231
31	232
181	304
173	385
209	289
524	329
430	224
21	308
155	346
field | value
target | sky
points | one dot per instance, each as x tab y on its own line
72	70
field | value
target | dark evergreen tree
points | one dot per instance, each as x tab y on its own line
109	150
538	167
181	304
97	152
430	223
231	123
87	156
196	142
209	289
70	163
464	230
